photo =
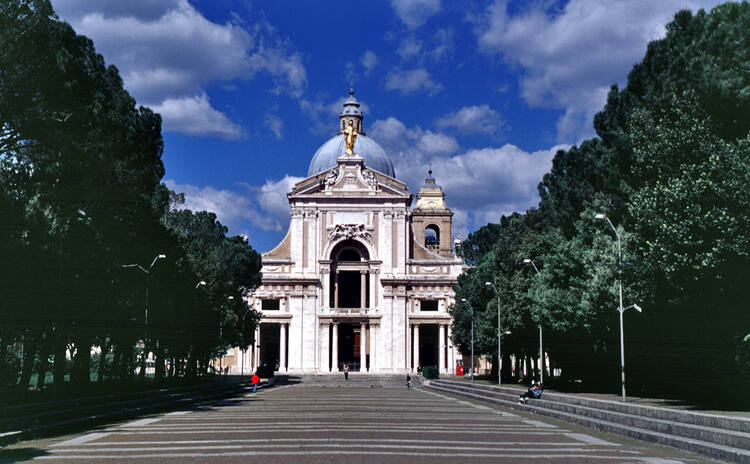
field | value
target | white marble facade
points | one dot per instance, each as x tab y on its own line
352	282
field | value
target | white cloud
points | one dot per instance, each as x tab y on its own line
276	125
437	144
195	116
472	120
396	137
570	56
265	207
410	47
414	13
272	198
369	60
480	184
231	208
169	51
409	82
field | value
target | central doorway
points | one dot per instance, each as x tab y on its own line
349	347
269	344
428	345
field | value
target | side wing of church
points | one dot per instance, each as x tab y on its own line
360	278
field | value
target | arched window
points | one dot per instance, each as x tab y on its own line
432	236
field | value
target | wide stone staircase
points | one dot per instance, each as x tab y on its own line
723	437
356	380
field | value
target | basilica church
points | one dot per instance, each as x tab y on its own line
361	278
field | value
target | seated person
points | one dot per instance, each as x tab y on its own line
535	391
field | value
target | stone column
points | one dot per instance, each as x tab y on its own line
451	357
441	348
373	295
282	348
325	278
373	348
363	347
256	348
363	289
325	331
335	348
336	289
415	348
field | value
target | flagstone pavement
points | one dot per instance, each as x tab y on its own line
331	425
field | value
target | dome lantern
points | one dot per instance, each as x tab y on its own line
351	112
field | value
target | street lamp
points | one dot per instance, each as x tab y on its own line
539	324
471	311
142	373
499	335
620	308
201	283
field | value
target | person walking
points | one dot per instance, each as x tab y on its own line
255	380
346	371
408	381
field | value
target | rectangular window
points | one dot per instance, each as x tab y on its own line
428	305
270	305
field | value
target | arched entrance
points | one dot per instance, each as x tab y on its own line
350	284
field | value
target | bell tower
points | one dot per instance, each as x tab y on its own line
431	219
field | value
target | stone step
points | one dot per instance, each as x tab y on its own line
704	433
713	442
355	380
737	424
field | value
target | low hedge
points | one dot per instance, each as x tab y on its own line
430	372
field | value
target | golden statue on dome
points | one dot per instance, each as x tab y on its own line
350	136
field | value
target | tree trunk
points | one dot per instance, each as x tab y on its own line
41	374
59	363
4	374
158	365
493	371
102	363
144	355
190	368
29	354
81	374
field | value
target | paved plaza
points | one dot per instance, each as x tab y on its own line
332	424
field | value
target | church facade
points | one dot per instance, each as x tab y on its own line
361	278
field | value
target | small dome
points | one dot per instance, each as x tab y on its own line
373	154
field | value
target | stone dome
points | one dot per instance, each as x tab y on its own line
373	154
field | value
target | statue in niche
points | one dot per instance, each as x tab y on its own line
350	137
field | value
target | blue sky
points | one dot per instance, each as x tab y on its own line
484	91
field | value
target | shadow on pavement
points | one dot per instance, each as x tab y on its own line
8	456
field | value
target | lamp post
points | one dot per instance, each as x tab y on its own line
499	335
471	311
539	324
620	308
142	373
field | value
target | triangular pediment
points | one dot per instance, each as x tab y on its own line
350	178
